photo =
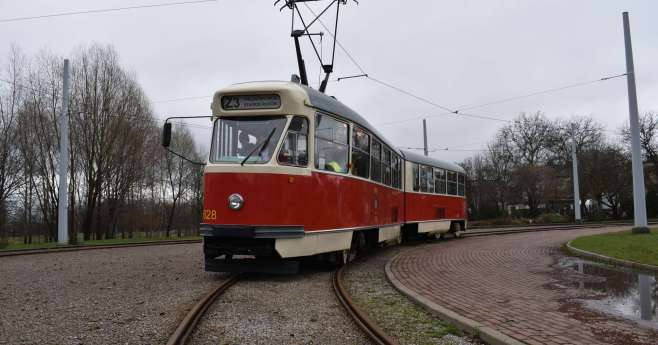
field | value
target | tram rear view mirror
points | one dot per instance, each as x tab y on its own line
166	135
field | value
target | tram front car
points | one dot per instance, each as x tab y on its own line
258	183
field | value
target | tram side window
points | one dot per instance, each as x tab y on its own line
430	179
331	144
376	165
386	167
415	172
439	181
397	177
423	178
295	149
360	153
452	183
461	185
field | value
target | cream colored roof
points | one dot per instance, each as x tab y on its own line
303	95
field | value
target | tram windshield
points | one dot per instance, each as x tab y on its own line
236	138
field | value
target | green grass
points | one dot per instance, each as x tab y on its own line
623	245
398	316
409	322
15	245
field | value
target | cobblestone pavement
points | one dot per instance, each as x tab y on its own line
508	283
115	296
399	317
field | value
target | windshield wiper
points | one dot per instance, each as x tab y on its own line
263	144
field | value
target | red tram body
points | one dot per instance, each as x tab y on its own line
295	173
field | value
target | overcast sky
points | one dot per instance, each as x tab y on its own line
455	53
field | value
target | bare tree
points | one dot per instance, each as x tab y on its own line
113	116
527	141
180	174
585	131
120	179
11	98
606	172
39	135
648	141
529	138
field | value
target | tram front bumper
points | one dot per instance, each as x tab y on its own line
239	248
247	231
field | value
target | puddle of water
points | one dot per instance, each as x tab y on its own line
625	293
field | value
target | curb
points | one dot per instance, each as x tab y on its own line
609	260
502	231
472	327
67	249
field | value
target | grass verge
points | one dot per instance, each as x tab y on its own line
137	240
398	316
623	245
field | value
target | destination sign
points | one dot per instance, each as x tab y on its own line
251	102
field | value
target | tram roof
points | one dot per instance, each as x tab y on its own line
327	103
417	158
320	101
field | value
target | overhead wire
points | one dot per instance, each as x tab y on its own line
422	99
542	92
114	9
449	111
393	87
349	56
460	110
444	149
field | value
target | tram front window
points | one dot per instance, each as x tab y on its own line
236	138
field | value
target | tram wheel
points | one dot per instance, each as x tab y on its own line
358	245
456	229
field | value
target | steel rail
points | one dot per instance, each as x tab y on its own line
604	222
375	333
538	229
184	330
66	249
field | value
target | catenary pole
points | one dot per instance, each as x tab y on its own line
639	202
576	187
425	137
62	218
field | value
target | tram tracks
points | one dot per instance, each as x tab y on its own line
374	332
67	249
515	230
474	231
185	329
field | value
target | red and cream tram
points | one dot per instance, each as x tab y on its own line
295	173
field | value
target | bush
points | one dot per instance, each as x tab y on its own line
550	218
500	221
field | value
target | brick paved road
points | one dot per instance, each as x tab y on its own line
508	284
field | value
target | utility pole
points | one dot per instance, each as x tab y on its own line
644	285
639	202
62	218
425	137
576	187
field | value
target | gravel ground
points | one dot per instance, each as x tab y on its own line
296	309
116	296
399	317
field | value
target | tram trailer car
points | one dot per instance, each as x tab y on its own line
295	173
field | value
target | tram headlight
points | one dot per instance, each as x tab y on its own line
235	202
